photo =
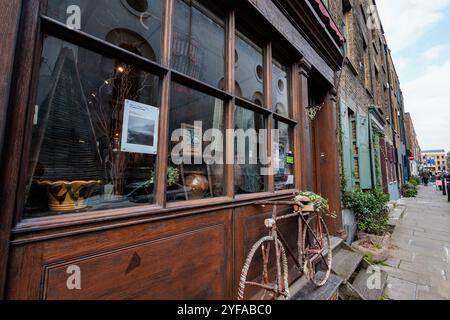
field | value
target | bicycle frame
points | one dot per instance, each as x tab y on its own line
274	232
304	261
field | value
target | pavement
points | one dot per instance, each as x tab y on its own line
419	263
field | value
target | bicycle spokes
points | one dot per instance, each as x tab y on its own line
280	285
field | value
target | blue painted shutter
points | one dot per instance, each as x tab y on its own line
365	166
347	153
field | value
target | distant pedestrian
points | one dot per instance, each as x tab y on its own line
425	178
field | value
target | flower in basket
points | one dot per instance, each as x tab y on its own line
320	204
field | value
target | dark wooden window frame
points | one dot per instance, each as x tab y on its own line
44	25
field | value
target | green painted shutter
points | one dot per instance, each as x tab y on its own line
375	156
365	165
346	147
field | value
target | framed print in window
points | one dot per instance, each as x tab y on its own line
140	128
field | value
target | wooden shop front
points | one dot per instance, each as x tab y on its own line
95	93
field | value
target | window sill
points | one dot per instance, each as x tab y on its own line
90	221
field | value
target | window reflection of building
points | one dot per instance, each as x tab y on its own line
280	89
186	55
249	71
198	48
101	18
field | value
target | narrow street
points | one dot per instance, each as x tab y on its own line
419	266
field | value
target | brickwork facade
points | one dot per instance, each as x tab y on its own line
369	88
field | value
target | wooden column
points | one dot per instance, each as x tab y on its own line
327	148
12	148
306	155
9	23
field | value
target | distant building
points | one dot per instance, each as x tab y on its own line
413	147
435	160
448	161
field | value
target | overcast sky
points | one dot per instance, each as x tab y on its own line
418	33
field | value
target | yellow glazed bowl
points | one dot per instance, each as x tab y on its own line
65	196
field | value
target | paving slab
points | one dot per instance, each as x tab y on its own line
433	236
398	289
409	276
430	268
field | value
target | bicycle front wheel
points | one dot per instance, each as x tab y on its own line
316	241
278	287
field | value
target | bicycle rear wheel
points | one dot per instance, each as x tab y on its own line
316	239
280	287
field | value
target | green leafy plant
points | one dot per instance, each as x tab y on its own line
370	209
415	181
173	175
409	190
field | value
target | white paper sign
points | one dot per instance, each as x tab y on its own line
290	180
140	128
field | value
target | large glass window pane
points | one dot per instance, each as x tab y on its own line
196	157
283	157
198	48
280	92
249	70
95	133
135	25
250	152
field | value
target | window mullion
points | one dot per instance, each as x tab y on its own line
230	105
163	147
268	103
295	96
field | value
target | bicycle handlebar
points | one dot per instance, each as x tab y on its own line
274	203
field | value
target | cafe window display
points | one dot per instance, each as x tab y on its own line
99	113
250	152
94	134
283	157
192	117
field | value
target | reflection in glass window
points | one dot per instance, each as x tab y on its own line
95	133
249	166
197	122
284	158
198	48
249	70
135	24
280	98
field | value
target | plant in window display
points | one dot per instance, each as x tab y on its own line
143	191
126	84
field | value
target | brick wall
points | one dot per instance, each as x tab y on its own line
365	77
